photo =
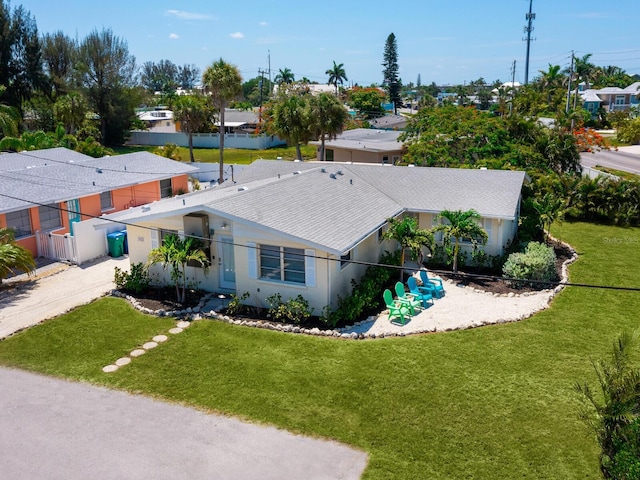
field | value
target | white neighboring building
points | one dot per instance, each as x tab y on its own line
158	120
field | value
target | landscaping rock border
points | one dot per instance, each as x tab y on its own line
197	312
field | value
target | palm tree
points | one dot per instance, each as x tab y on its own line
284	76
13	257
192	112
584	70
336	75
177	253
552	77
616	418
9	120
550	208
407	233
70	110
224	83
462	225
328	117
287	116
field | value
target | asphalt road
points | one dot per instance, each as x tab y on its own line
53	429
626	159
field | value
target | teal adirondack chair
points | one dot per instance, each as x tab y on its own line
406	298
438	287
396	308
421	293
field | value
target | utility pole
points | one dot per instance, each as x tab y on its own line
261	73
530	17
569	87
513	86
269	60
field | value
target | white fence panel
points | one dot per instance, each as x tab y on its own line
206	140
57	247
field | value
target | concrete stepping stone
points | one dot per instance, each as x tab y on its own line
175	330
183	324
160	338
149	345
137	352
110	368
121	362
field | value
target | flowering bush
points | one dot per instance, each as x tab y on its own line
588	140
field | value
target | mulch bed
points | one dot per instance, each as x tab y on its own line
165	298
490	282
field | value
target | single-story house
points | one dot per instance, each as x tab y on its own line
364	145
158	120
240	121
48	191
300	228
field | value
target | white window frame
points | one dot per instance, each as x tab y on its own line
18	220
345	260
103	204
50	213
166	192
286	257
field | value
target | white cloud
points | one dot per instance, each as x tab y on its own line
236	35
188	15
174	36
263	24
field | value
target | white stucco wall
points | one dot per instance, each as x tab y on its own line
500	233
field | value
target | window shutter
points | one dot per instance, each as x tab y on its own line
155	238
310	268
252	264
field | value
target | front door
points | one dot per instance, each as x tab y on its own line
226	263
73	208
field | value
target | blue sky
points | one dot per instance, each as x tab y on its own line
445	42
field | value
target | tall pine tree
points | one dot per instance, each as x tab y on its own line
390	80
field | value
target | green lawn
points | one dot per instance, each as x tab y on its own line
231	155
489	403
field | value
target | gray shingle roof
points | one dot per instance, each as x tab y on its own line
492	193
333	211
368	139
55	175
328	212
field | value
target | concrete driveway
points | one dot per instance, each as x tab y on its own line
54	290
52	429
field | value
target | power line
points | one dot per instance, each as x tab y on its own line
460	275
62	162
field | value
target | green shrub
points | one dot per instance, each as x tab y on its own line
236	305
136	280
366	296
629	131
295	310
536	263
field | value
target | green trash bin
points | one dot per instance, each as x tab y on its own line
115	244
